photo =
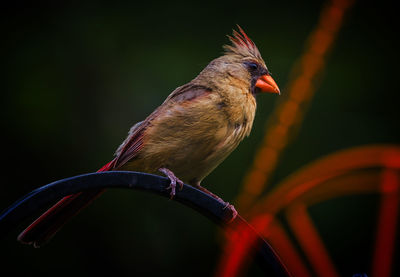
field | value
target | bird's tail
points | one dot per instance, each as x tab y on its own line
47	225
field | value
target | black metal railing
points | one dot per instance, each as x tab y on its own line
39	199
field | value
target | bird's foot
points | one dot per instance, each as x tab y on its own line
231	210
171	176
232	213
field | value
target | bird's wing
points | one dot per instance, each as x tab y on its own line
187	92
135	140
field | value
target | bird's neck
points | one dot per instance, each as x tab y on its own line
238	102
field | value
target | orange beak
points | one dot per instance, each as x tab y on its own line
266	84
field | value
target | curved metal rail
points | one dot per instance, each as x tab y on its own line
39	199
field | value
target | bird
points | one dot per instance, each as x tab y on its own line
197	126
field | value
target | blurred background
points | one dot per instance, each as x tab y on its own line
76	76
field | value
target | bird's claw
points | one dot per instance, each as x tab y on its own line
231	209
231	212
171	176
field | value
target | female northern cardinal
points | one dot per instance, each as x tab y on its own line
194	130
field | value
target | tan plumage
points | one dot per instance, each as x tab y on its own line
192	136
200	123
191	133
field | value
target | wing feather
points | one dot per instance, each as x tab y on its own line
135	141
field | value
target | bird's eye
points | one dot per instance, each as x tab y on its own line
252	66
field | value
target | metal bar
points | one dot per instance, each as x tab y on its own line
43	197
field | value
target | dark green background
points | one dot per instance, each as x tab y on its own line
76	76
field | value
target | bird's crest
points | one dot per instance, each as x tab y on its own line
242	45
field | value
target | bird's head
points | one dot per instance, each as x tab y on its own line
243	61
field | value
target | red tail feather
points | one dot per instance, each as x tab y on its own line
47	225
107	167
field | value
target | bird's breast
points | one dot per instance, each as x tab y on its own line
239	121
191	138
